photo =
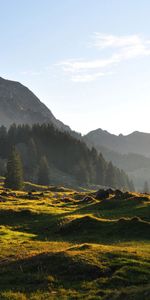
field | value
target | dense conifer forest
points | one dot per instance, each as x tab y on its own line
65	159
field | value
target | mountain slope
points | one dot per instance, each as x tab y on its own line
19	105
69	160
136	142
130	153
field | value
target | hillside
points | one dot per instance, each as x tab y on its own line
130	153
62	244
135	165
70	162
20	106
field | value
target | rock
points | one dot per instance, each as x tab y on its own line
102	194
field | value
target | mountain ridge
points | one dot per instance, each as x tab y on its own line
117	135
135	142
18	104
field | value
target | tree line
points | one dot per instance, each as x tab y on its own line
49	155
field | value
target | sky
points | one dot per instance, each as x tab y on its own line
87	60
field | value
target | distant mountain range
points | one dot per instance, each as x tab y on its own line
19	105
129	152
136	142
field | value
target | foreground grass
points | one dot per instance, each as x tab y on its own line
61	244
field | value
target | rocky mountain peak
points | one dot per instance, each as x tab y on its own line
21	106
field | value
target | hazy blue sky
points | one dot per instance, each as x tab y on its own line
87	60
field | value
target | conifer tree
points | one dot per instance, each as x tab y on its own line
100	170
131	187
14	174
43	173
146	187
32	159
110	177
81	173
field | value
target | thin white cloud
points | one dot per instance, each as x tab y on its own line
126	47
87	77
76	66
121	48
103	41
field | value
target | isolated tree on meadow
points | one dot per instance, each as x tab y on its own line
14	173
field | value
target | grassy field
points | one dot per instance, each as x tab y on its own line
62	244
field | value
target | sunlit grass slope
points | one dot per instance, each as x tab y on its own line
56	243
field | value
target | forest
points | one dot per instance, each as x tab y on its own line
67	160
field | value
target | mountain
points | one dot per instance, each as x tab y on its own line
136	142
19	105
128	152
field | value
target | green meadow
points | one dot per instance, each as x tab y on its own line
58	243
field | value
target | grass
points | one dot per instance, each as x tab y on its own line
57	243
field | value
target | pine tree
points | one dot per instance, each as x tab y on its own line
131	186
43	173
14	174
110	177
146	187
100	170
3	142
81	173
32	159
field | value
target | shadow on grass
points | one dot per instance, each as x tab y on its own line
37	271
55	269
112	208
80	229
